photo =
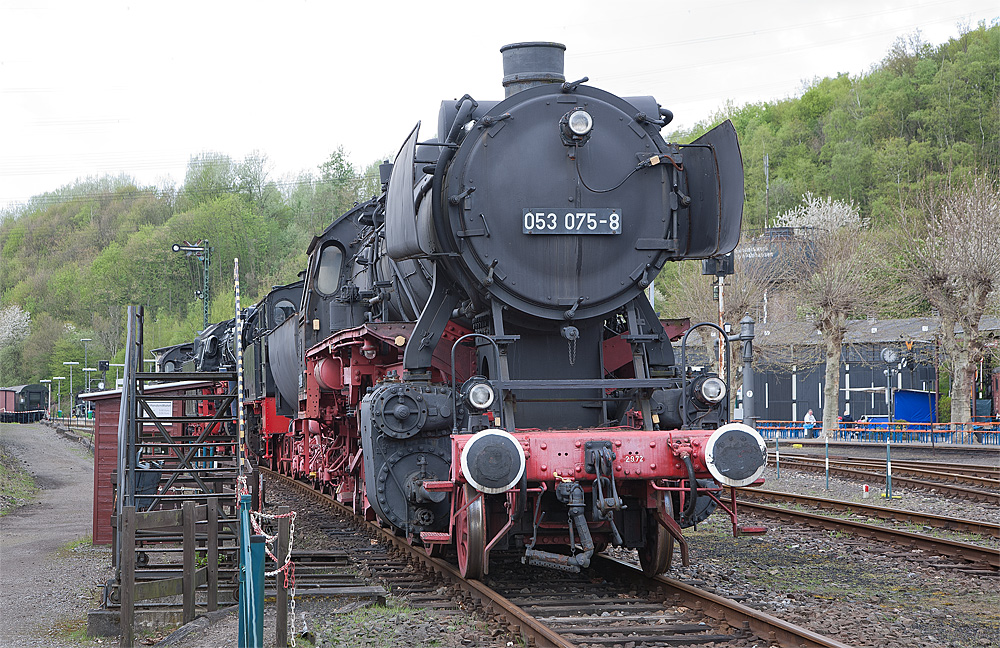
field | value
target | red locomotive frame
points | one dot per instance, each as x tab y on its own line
323	447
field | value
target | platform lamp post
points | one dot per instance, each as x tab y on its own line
85	363
48	403
88	370
202	252
60	379
72	400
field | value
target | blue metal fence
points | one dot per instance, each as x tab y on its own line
878	431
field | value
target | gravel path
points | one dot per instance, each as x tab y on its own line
48	569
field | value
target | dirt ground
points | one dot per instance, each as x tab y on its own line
45	542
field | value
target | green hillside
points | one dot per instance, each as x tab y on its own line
922	116
75	258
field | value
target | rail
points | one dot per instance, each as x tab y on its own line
74	423
535	632
975	433
981	557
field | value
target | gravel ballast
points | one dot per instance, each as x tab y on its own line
863	592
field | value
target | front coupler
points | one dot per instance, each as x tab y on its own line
571	494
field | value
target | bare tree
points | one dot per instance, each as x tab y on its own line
954	263
692	296
834	265
108	326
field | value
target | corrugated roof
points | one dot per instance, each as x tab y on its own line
868	331
17	388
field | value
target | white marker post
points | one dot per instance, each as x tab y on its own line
888	468
243	461
777	453
826	441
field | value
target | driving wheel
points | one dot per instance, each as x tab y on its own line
470	532
655	556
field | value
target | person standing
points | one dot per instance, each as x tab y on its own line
808	423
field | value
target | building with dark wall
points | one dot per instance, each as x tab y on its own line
790	365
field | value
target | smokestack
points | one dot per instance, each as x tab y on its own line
526	65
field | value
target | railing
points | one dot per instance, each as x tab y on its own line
29	416
74	422
976	433
198	525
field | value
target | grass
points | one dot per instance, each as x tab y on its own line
74	630
17	487
347	625
394	625
74	545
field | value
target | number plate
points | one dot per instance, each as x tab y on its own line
564	221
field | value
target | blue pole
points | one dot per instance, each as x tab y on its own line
244	562
257	594
251	599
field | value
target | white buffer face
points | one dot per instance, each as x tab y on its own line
493	461
736	455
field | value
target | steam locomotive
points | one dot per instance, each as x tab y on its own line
470	357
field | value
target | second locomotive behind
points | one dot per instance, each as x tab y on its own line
473	360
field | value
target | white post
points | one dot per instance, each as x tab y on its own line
48	403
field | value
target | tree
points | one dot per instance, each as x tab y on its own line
253	182
955	265
834	265
338	188
208	176
693	295
15	324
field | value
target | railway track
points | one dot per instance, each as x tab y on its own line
982	489
967	474
612	604
989	529
959	470
974	557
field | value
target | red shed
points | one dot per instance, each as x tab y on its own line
106	410
7	400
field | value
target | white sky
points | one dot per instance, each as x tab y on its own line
106	87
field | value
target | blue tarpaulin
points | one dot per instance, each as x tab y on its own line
915	406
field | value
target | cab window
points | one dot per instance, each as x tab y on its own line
330	264
282	311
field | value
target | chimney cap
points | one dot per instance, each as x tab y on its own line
532	63
532	44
